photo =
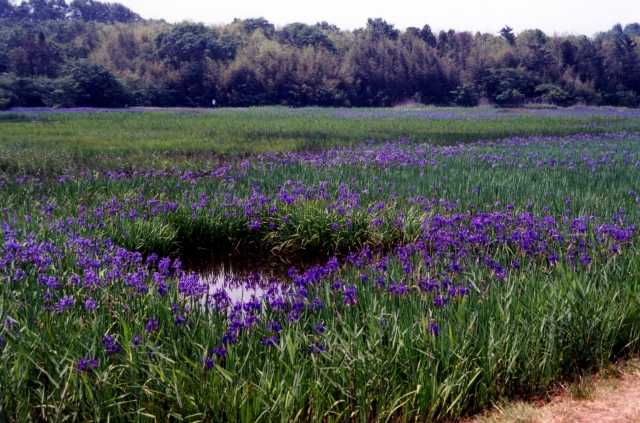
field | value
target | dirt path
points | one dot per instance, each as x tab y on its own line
613	399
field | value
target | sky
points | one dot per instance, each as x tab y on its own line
584	17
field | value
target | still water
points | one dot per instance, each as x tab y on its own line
243	276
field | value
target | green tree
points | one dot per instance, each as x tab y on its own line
96	85
302	35
427	36
507	34
465	95
21	12
95	11
632	29
535	54
325	26
626	53
60	92
48	10
32	57
6	9
252	24
553	94
243	87
188	43
508	86
380	28
567	51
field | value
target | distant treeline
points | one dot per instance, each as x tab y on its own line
88	53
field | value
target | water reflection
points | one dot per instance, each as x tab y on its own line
245	276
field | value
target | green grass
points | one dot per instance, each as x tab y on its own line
601	194
516	337
63	143
510	337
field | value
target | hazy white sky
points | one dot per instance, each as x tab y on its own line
562	16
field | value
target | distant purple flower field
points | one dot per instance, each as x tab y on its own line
483	113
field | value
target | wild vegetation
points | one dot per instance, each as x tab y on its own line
40	144
457	274
97	54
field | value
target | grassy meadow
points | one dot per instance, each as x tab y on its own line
59	142
469	256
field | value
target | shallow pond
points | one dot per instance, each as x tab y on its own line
243	276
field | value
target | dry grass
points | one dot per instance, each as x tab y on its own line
612	396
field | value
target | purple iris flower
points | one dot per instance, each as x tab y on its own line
87	363
274	326
66	302
440	301
269	341
318	348
90	304
152	325
350	295
337	285
112	346
219	351
433	328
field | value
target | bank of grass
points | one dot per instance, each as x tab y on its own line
380	361
50	143
460	178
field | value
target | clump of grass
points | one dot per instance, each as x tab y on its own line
517	412
583	388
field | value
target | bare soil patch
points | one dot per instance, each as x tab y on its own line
610	397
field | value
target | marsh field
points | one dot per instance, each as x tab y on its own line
320	265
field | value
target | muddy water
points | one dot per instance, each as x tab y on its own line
245	276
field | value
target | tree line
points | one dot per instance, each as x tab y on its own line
89	53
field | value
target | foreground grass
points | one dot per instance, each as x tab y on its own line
379	357
477	273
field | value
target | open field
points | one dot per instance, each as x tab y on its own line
458	272
62	141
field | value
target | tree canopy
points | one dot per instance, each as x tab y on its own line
103	54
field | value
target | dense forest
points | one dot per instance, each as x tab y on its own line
89	53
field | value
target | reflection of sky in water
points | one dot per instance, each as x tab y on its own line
245	276
238	288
